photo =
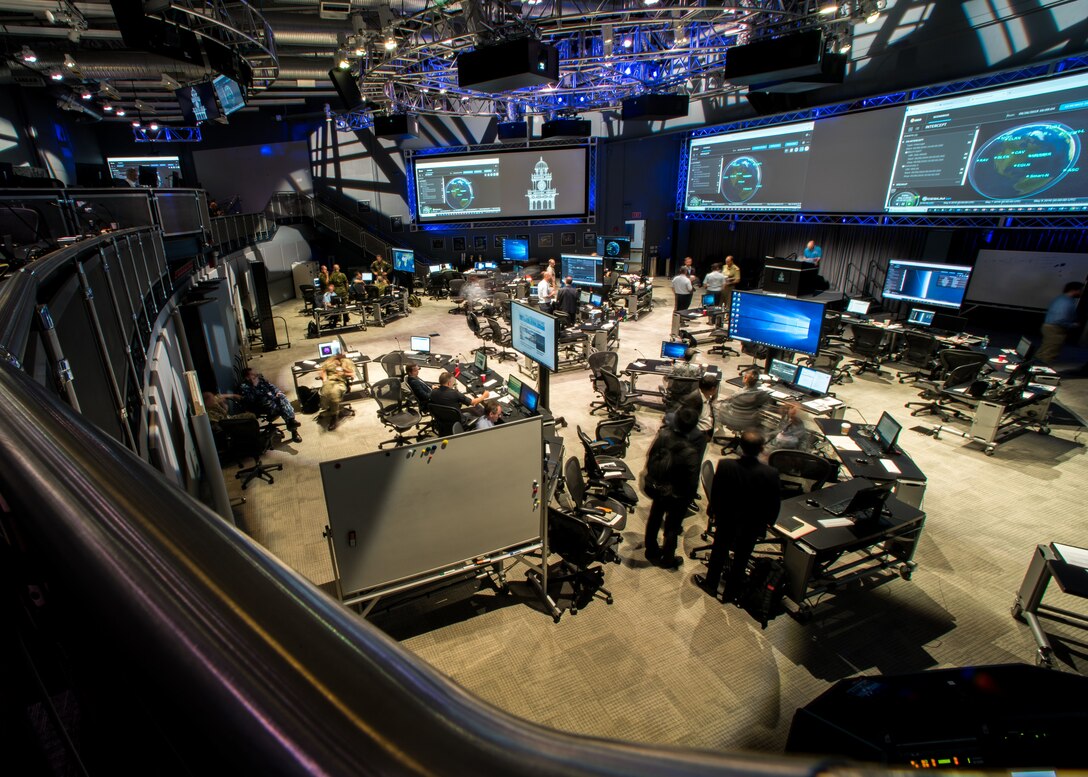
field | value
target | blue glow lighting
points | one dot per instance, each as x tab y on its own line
266	150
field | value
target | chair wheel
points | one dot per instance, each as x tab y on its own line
608	600
693	556
555	618
573	611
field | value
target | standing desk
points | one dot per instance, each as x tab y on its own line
1069	566
910	482
310	366
826	559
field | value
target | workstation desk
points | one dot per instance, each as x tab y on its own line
494	383
828	405
330	319
825	559
896	466
1066	564
359	386
661	368
688	320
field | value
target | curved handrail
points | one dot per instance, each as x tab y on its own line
303	682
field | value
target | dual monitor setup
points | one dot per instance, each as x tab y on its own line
804	379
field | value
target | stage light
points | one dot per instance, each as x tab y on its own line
154	127
56	75
120	111
85	95
107	108
628	43
343	64
828	10
390	43
28	56
136	123
69	62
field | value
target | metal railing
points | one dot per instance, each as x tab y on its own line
293	205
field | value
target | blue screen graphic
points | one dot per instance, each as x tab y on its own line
515	250
944	285
404	260
776	322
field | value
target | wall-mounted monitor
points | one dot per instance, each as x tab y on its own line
404	259
198	102
582	270
1011	149
534	334
614	246
943	285
760	169
230	94
515	250
164	167
538	183
776	322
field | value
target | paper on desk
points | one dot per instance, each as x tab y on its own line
889	465
834	523
842	442
779	395
1078	557
309	363
639	364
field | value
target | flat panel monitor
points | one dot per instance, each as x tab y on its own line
673	350
368	277
325	350
516	184
614	247
886	432
760	169
596	300
943	285
404	259
482	266
317	284
197	102
480	362
420	343
583	297
528	398
1015	149
813	381
783	370
513	385
859	307
433	268
1025	348
583	270
920	317
620	267
534	334
534	291
776	322
709	300
515	250
230	94
163	166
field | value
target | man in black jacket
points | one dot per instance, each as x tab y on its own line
567	301
672	478
744	502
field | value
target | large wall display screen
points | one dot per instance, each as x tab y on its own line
544	183
1014	149
762	169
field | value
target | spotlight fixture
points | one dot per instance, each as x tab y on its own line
28	56
628	43
343	64
120	111
135	123
169	83
829	9
69	62
107	108
154	126
650	2
390	43
85	95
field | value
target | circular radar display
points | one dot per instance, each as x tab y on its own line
741	179
612	248
458	193
1024	161
905	200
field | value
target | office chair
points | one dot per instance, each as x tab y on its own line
307	291
607	511
920	352
455	293
608	475
800	472
444	418
869	345
677	389
601	360
394	413
617	400
500	335
720	337
243	438
501	302
474	326
957	367
616	433
393	364
584	544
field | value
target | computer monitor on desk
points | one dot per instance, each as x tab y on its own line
886	432
858	307
596	300
710	300
673	350
528	398
1025	349
783	370
813	381
945	322
583	297
920	317
513	386
331	348
481	362
420	344
368	277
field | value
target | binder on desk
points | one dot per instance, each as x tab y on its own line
793	527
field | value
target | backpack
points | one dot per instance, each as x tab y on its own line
414	300
311	329
308	400
657	479
763	590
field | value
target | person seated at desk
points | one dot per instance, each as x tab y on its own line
744	503
743	410
446	394
336	374
492	414
330	300
566	301
420	389
357	290
382	282
791	431
263	398
675	390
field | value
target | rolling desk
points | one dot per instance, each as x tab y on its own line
493	382
638	297
328	319
825	559
817	406
1069	566
662	369
361	384
684	321
897	467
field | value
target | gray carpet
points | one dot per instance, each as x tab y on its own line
666	664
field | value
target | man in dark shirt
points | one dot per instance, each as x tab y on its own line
567	300
447	395
420	389
672	488
260	396
744	502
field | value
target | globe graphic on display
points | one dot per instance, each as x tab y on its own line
458	193
612	248
1024	161
741	179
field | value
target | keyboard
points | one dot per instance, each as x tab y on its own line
839	508
870	447
663	368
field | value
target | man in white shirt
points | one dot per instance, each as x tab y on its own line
683	289
715	282
545	291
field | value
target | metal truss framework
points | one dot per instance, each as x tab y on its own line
591	200
164	134
1035	221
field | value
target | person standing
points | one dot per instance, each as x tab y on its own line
671	480
379	266
1061	319
812	253
339	281
260	396
683	289
715	283
337	372
567	300
545	291
323	276
731	271
744	502
689	265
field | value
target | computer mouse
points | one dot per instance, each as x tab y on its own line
812	503
861	460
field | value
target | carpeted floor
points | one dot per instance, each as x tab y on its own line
665	663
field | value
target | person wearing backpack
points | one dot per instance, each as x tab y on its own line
744	502
671	480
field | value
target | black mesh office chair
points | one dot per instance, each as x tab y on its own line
608	511
828	361
616	434
394	412
455	294
583	544
480	330
920	352
307	291
954	388
444	417
393	364
706	478
618	401
721	339
500	335
800	472
238	439
609	472
869	346
601	360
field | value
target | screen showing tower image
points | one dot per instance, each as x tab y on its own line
776	322
1012	149
761	169
197	102
944	285
582	270
534	334
543	183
